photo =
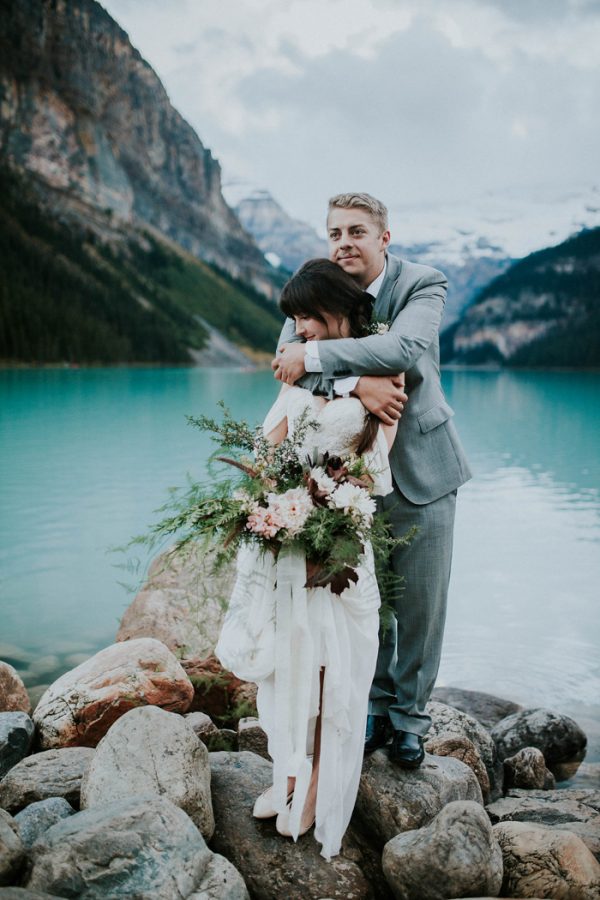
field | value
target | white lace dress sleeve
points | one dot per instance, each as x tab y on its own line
277	413
377	460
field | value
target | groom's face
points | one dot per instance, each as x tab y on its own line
356	243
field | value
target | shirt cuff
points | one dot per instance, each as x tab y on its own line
344	386
312	361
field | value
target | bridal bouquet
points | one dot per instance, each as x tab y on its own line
321	504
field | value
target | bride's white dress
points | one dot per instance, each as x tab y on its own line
279	634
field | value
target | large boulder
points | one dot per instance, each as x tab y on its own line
546	862
392	800
559	737
13	693
446	720
588	831
273	866
182	603
16	735
12	852
486	708
53	773
150	751
38	817
142	847
547	807
527	769
79	708
416	863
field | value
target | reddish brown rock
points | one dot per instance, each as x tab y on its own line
13	694
215	689
79	708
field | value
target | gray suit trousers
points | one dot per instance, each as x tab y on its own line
410	650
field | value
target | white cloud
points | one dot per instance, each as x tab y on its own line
427	101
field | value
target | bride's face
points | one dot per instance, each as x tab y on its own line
312	329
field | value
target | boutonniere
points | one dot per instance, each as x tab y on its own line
378	327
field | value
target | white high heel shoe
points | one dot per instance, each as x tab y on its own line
283	823
263	806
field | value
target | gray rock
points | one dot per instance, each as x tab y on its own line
462	748
12	852
150	751
16	735
559	737
38	817
486	708
251	737
222	881
527	769
13	694
182	603
446	720
546	862
272	866
391	800
202	724
416	863
53	773
546	807
588	831
18	893
142	847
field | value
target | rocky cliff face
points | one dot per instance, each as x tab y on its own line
287	241
544	310
83	112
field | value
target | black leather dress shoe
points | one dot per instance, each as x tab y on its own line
378	732
407	750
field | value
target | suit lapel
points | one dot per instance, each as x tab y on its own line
383	304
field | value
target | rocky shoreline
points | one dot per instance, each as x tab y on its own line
135	776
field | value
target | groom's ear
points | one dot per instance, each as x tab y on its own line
386	238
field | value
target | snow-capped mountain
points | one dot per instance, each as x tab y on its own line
472	242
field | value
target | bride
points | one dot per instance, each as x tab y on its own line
313	657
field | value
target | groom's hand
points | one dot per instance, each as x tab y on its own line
288	365
382	395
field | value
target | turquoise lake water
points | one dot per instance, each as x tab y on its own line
87	455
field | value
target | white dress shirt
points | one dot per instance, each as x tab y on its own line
312	361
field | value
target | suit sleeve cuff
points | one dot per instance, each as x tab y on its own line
312	360
344	386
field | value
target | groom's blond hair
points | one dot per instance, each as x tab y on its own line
374	207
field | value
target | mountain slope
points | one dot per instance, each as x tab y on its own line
288	241
544	311
67	296
83	112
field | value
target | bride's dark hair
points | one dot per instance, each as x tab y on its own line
320	286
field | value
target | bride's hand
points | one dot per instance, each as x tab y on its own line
289	364
383	395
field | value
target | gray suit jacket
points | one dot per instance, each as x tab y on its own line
427	459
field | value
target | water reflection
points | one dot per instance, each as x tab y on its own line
87	456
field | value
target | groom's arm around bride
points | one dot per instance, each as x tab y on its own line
427	459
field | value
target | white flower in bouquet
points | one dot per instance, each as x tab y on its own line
322	479
355	501
248	503
264	522
291	508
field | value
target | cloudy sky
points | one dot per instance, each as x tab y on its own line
417	101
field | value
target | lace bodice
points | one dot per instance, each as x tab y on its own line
339	424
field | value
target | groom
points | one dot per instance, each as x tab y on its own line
427	461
